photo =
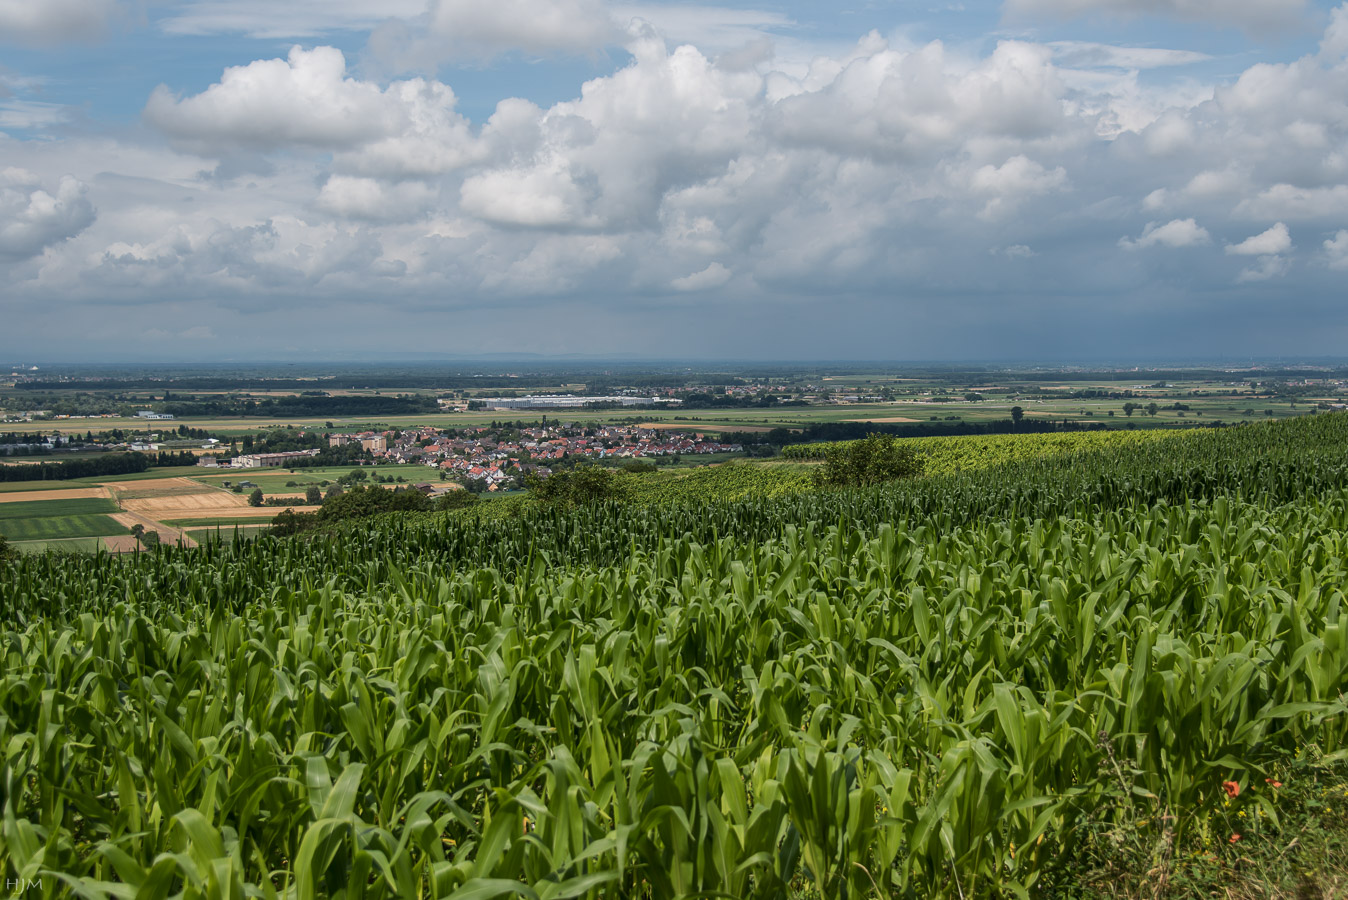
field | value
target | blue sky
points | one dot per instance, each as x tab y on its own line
1048	179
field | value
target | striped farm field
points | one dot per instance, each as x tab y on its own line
47	528
31	509
948	455
1118	671
66	545
44	520
28	487
226	532
226	522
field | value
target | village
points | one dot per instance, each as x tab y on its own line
494	459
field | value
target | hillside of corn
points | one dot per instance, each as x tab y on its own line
949	455
983	683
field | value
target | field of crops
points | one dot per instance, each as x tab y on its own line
28	509
949	455
42	520
957	686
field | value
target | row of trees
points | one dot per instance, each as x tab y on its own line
363	501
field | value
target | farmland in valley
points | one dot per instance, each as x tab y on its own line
46	520
1014	677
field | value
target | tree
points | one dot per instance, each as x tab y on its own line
255	498
288	522
454	500
1017	414
1129	407
581	485
875	459
137	530
150	539
1151	408
313	495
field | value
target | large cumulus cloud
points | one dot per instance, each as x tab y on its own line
883	171
33	218
309	101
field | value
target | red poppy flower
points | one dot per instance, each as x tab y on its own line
1232	789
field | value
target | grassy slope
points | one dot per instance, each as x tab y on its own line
24	487
53	527
35	509
65	545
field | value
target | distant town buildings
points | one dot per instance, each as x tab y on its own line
151	414
257	460
567	401
368	440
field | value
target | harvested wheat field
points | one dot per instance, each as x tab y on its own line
66	494
158	487
208	502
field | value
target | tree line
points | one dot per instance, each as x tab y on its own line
112	464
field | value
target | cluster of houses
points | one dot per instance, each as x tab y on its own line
498	457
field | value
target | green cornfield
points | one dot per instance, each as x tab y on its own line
946	687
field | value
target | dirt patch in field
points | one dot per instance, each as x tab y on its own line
879	420
122	543
167	534
206	503
70	494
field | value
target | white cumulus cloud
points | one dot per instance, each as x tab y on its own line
409	128
1175	233
713	276
1266	268
32	219
1267	243
1336	250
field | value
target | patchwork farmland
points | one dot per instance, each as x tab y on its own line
1018	675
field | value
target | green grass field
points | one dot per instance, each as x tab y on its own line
46	520
47	528
68	545
23	487
32	509
166	472
274	480
225	524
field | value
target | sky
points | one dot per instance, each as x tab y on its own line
874	179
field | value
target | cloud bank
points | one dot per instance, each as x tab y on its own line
891	173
